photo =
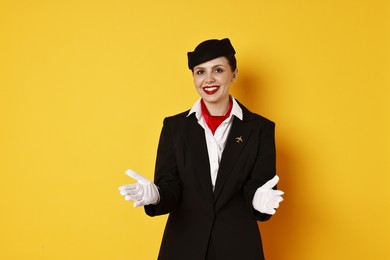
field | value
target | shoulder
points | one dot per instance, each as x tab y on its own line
174	119
249	116
180	122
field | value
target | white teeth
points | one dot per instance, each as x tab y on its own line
210	89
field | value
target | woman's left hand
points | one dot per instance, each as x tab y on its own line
266	199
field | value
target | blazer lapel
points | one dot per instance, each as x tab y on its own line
236	141
199	156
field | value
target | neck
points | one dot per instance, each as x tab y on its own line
218	109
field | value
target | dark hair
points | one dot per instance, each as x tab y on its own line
232	61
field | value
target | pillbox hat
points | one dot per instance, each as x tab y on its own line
209	50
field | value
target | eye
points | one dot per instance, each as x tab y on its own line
199	72
219	70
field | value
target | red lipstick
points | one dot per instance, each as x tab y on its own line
209	90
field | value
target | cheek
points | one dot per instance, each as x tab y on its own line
197	82
225	80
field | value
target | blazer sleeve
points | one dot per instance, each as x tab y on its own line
166	175
264	168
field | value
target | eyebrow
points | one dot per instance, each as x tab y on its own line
218	65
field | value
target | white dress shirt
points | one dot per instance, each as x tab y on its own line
216	143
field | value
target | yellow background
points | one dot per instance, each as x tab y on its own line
85	85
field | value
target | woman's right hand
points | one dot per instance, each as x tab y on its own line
142	193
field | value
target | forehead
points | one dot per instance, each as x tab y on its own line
214	62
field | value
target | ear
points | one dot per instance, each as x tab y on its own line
235	75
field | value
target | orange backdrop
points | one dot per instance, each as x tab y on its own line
85	85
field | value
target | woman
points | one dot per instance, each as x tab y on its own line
215	169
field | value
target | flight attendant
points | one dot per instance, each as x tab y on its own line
215	172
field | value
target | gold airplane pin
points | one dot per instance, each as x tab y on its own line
239	139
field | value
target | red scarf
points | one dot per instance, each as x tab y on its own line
214	121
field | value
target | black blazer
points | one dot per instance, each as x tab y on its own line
197	214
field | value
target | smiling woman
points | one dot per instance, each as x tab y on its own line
215	171
212	80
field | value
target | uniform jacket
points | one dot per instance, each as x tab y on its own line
196	213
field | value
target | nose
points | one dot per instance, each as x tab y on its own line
210	78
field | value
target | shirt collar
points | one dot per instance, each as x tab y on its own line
236	110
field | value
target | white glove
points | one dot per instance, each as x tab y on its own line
266	200
144	192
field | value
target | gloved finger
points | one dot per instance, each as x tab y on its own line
138	204
134	188
127	187
123	187
276	199
273	204
133	197
277	192
129	192
136	176
271	183
130	188
279	199
269	211
129	198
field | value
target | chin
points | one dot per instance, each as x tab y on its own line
211	100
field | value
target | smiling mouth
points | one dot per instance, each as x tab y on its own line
209	90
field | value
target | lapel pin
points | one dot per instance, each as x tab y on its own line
239	139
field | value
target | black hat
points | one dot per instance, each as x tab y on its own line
209	50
